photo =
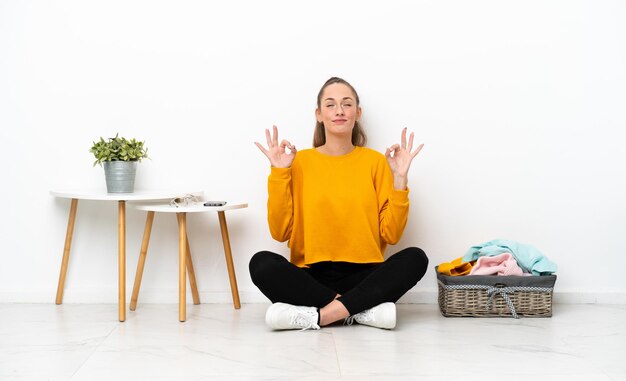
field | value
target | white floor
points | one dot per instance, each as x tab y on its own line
85	342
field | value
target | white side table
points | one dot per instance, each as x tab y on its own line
121	199
184	254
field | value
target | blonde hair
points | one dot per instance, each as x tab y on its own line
319	134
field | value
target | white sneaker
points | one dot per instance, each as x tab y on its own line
287	316
380	316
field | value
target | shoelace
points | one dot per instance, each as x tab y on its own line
367	315
304	320
349	320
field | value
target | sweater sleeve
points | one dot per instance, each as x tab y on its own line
394	207
280	203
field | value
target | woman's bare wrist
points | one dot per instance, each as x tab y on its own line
400	182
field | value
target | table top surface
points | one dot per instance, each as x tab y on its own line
139	195
192	208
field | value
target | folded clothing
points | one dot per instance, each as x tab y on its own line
456	267
502	264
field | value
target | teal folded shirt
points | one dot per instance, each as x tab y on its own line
528	258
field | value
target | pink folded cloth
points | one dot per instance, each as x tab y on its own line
501	264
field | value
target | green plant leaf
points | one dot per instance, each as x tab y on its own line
118	149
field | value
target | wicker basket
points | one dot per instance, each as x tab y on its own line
495	296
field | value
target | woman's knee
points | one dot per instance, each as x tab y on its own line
415	262
261	265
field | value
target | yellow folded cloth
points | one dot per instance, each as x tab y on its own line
456	267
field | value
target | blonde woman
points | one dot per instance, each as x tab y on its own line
339	204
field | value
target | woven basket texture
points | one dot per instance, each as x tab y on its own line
474	303
467	296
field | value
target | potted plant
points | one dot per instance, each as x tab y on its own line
119	157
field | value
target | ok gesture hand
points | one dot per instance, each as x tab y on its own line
275	152
399	157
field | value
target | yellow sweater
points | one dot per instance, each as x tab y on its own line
336	208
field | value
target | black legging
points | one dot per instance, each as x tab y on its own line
362	286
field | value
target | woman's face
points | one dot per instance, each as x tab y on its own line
338	110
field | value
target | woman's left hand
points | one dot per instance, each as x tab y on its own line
399	157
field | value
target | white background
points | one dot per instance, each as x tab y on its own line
520	105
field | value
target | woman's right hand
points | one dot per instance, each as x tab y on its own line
277	153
